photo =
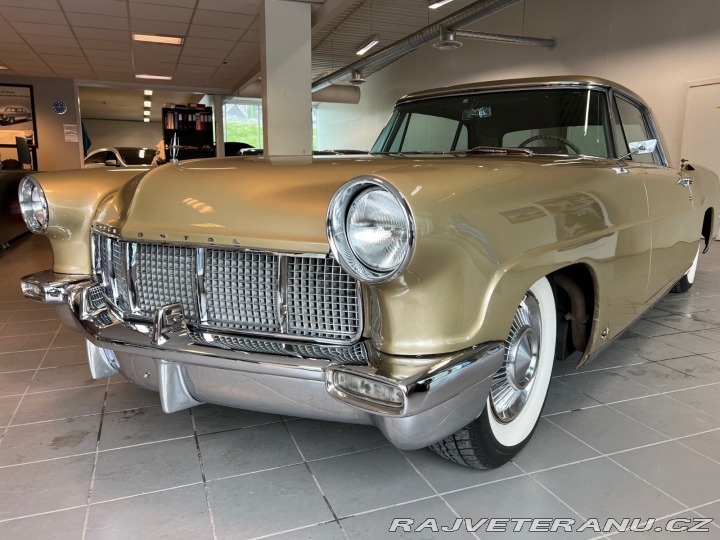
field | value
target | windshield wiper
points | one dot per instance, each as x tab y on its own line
495	150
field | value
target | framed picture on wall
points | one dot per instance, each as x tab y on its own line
17	114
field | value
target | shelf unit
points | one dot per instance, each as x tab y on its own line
194	129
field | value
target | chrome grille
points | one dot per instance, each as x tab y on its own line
242	290
166	275
95	297
321	299
306	298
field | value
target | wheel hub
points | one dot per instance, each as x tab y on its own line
513	383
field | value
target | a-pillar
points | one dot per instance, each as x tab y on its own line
285	49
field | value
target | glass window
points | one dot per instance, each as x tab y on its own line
635	129
135	156
550	121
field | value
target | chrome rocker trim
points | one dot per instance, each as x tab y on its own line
448	393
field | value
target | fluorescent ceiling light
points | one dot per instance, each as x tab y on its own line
148	92
147	103
146	119
3	67
369	45
438	3
158	77
146	112
166	40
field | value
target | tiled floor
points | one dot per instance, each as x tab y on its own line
635	434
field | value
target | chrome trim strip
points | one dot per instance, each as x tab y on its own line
202	300
282	310
131	266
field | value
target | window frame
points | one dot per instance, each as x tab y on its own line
648	120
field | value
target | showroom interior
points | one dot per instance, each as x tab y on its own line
634	434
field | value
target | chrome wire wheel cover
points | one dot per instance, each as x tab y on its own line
513	383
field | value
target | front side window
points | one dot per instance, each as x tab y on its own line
547	121
634	129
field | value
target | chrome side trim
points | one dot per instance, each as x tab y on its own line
282	310
202	299
50	287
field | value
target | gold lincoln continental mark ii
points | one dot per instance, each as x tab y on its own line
426	288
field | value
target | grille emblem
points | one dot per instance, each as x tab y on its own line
169	323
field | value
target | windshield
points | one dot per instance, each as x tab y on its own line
546	121
137	156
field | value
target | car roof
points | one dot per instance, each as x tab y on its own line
535	82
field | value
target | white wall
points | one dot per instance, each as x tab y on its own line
653	47
53	153
105	133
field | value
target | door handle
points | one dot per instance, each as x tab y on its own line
685	181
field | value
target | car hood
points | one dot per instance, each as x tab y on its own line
281	203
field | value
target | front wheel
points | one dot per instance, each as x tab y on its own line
518	389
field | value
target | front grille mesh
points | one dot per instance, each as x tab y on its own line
234	290
242	290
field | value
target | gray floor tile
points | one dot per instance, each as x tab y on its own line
549	447
649	348
178	513
25	329
326	531
247	450
658	377
270	502
7	408
704	369
606	429
684	323
709	334
711	511
145	468
25	343
658	529
668	416
379	478
708	444
42	487
513	498
34	315
676	470
651	329
692	343
47	440
603	490
139	426
706	398
562	398
376	525
60	404
126	396
60	378
214	418
21	360
606	386
654	312
614	355
63	525
15	383
445	475
68	356
318	439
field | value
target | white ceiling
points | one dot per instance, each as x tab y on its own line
90	41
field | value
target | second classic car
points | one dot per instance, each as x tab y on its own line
426	288
14	115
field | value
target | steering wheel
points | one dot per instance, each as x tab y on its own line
563	140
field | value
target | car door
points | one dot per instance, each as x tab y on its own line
670	203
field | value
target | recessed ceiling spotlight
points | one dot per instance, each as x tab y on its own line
157	77
438	3
146	119
147	92
147	103
165	40
146	112
368	45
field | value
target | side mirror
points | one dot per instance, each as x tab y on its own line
111	163
643	147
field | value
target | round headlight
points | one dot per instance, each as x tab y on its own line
33	205
370	229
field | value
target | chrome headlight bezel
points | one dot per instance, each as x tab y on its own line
35	213
337	229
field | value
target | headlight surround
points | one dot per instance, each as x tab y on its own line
370	229
33	204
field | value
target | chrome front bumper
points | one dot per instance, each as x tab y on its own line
443	394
